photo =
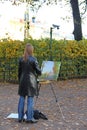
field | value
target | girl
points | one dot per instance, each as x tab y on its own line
27	71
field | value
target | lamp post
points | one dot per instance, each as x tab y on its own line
50	46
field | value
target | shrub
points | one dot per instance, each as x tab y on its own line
72	54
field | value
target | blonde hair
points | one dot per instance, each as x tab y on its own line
28	51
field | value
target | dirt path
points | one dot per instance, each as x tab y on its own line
72	100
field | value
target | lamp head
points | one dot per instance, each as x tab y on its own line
55	26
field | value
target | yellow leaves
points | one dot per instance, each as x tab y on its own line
72	54
9	49
70	49
74	49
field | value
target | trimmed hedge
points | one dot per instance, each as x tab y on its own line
72	54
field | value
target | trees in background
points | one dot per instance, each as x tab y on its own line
77	14
76	20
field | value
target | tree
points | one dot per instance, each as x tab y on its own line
77	20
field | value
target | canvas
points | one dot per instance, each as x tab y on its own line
50	70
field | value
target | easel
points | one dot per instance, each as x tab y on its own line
50	73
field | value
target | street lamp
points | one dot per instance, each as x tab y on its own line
50	46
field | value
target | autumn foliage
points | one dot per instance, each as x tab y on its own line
72	54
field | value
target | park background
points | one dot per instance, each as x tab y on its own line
13	17
71	87
62	47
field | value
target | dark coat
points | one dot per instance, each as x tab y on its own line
27	75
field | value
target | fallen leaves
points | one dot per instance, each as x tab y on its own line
71	97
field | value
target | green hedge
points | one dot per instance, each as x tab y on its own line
72	54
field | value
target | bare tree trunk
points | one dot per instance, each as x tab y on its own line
86	2
77	20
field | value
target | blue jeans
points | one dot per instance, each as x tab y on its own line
30	105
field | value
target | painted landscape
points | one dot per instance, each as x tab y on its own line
50	70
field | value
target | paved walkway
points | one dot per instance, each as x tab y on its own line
72	99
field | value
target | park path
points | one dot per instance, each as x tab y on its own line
72	98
